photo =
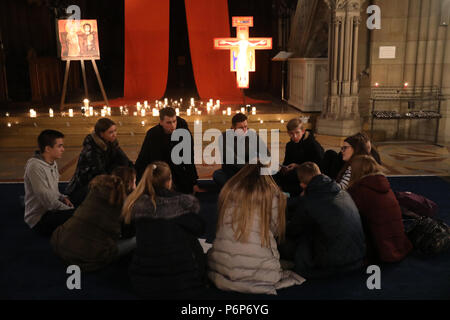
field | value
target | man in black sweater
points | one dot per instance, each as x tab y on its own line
158	146
302	148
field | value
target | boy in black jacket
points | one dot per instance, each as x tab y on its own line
302	148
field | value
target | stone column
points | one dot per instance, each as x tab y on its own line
340	116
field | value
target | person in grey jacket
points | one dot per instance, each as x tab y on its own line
326	229
45	207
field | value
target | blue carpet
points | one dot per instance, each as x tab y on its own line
29	269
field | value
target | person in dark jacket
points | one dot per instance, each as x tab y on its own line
333	162
380	212
169	261
302	148
90	239
157	146
100	155
326	232
230	140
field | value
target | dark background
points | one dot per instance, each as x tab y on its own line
28	34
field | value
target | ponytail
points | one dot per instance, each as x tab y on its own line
155	176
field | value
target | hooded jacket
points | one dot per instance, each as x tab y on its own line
382	218
331	219
41	189
97	157
89	238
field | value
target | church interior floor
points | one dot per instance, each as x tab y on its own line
399	158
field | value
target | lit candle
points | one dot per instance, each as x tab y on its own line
261	121
229	111
166	101
211	101
282	121
96	113
143	123
192	102
224	112
91	111
253	110
197	121
109	111
188	112
9	124
33	113
86	103
103	113
135	113
121	110
146	104
177	111
243	110
138	106
143	112
208	109
199	112
71	113
218	103
50	113
7	114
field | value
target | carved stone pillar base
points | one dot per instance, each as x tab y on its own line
340	128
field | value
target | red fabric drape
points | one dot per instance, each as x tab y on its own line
206	20
146	49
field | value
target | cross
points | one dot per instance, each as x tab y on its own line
242	49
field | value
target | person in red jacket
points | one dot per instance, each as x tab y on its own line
380	212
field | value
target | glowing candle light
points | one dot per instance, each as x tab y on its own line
50	113
188	112
224	112
86	103
282	121
377	84
103	113
208	109
211	101
33	113
199	112
143	112
71	113
253	110
143	123
192	102
229	111
406	84
146	104
9	124
243	110
7	114
155	112
197	121
121	110
166	101
261	121
135	113
91	111
218	103
177	111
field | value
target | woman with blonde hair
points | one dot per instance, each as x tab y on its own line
244	256
169	260
380	211
90	239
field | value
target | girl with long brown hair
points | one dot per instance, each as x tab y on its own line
169	260
380	211
244	256
91	238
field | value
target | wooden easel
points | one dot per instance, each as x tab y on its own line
83	71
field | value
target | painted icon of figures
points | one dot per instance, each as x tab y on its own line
78	39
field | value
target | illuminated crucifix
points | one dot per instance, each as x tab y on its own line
242	49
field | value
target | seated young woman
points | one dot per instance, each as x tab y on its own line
353	146
90	239
169	261
101	153
244	256
380	212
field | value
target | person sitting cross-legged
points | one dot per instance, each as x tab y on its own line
45	207
325	235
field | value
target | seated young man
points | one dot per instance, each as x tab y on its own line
45	207
302	148
325	235
239	136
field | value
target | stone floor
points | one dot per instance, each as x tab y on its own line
399	158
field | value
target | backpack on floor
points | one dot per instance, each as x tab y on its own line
429	236
415	203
